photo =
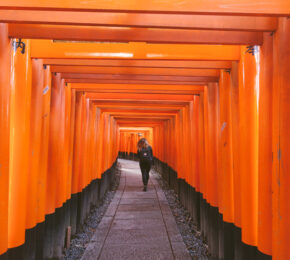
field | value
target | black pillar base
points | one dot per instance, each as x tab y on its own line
16	253
4	256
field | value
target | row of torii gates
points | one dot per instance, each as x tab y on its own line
207	82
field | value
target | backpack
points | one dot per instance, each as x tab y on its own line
145	154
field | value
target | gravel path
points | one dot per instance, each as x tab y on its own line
191	236
80	240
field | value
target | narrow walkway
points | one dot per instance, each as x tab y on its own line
137	224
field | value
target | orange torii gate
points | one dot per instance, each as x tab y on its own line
229	101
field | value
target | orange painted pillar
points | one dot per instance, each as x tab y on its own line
82	173
72	134
190	140
77	144
45	119
236	142
5	52
97	140
187	141
55	182
249	98
85	175
281	141
173	138
212	180
204	144
100	145
225	171
198	145
178	144
68	132
265	147
91	148
19	144
35	143
104	142
61	184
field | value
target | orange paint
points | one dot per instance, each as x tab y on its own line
225	171
265	148
280	141
248	100
5	134
35	143
19	144
45	120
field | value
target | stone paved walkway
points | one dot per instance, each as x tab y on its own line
137	224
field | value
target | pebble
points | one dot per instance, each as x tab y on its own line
191	236
80	240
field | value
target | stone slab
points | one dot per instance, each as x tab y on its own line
137	224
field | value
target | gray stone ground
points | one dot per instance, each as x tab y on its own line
137	224
188	230
83	237
132	224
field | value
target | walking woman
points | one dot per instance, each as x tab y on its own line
145	155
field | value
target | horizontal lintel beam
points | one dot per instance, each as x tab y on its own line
44	49
143	20
135	71
125	34
257	7
181	64
134	82
140	77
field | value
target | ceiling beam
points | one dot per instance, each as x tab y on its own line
59	50
140	77
136	71
138	96
135	82
143	20
126	34
136	87
141	63
145	91
250	7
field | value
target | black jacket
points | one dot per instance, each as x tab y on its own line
149	148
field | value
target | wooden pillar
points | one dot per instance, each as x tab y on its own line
69	106
55	182
226	178
77	144
236	142
281	141
35	143
5	52
265	147
43	160
19	143
212	159
249	98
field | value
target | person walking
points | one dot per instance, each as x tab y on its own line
145	155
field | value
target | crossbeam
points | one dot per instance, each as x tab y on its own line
143	20
134	82
59	50
135	71
126	34
140	77
257	7
148	87
184	64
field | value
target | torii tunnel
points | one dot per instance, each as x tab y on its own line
206	82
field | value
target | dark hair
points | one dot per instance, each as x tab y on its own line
143	143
